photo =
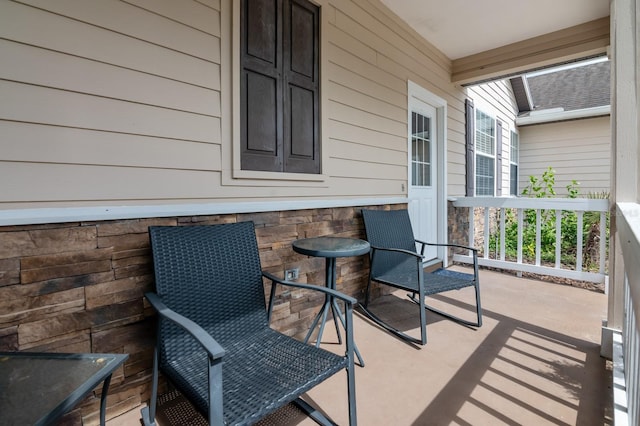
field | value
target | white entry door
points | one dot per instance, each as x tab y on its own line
423	173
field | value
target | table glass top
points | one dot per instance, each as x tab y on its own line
331	246
32	386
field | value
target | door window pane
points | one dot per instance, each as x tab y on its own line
420	150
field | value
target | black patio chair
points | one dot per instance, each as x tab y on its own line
214	340
394	261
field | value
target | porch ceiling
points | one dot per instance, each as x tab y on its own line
494	39
462	28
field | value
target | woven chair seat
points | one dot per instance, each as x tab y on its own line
438	281
262	372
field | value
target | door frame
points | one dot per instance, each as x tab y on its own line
415	91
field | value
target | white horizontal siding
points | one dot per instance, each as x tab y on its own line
579	150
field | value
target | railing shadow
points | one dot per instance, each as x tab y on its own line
521	374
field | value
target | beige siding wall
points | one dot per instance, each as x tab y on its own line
106	101
579	150
497	100
124	103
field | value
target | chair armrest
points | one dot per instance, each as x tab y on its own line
403	251
338	295
448	245
208	343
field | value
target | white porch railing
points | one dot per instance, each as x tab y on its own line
626	347
539	205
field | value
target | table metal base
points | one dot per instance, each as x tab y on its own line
330	304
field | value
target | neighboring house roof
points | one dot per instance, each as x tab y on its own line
567	93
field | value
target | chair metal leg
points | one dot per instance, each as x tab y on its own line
216	414
422	304
351	378
103	400
337	313
316	415
478	305
149	413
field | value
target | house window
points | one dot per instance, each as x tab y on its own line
485	150
514	159
280	86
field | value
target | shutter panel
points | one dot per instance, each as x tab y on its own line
261	86
301	97
498	158
470	130
280	86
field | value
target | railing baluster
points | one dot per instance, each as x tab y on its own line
538	239
520	220
631	347
579	242
603	240
503	213
486	233
558	237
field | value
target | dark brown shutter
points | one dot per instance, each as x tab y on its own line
498	158
279	86
301	82
470	134
261	86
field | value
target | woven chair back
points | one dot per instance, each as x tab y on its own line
389	229
212	275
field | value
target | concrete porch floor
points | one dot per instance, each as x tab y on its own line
534	361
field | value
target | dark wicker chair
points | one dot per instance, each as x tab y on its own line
214	340
395	262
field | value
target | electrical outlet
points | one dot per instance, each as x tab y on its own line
291	274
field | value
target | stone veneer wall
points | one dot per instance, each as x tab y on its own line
78	287
458	226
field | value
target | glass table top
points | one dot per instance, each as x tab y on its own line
38	388
331	246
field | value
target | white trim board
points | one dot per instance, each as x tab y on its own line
77	214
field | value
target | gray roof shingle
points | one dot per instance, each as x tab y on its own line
572	89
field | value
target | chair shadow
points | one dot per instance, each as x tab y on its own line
400	312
